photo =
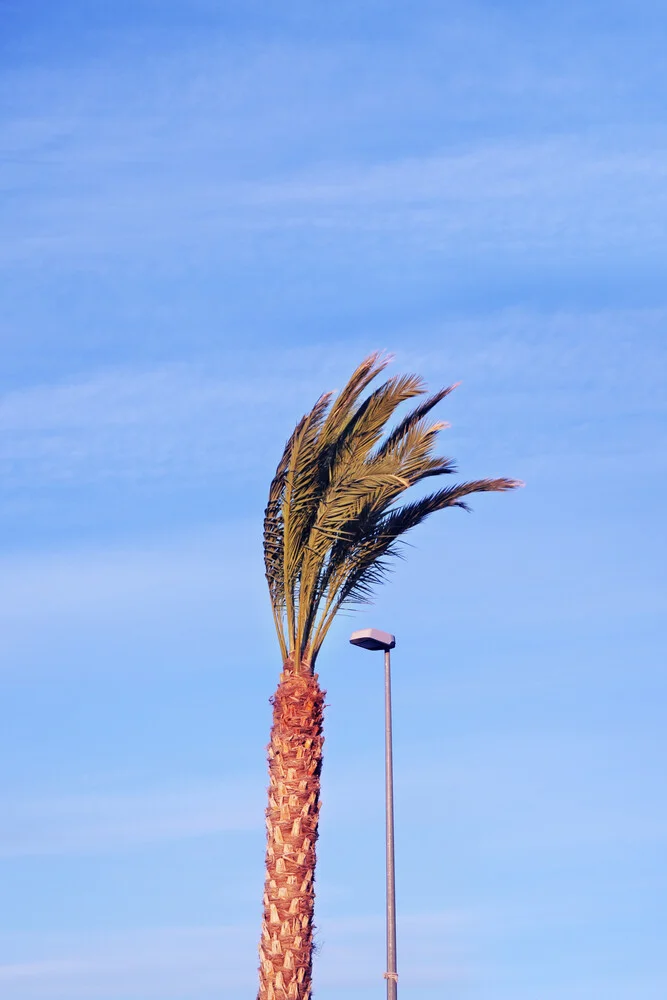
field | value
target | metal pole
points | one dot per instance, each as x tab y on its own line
390	975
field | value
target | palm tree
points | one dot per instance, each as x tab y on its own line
330	528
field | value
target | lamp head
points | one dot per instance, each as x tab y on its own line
373	638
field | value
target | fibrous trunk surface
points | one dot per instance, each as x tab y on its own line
295	761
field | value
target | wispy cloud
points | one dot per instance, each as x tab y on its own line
93	608
543	195
124	423
592	803
432	950
153	963
506	807
229	415
101	581
82	824
220	961
151	171
543	173
225	413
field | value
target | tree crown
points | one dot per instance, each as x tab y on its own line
332	523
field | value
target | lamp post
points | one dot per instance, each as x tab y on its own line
374	639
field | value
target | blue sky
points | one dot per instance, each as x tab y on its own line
212	211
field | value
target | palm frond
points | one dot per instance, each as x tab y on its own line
410	515
365	426
331	524
347	398
292	496
274	538
347	483
366	565
415	417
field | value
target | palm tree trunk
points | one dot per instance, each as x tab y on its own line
295	762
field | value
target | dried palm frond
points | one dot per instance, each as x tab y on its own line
331	524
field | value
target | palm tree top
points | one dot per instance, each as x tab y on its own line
332	522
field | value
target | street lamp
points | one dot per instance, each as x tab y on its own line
374	639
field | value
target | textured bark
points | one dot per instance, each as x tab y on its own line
295	761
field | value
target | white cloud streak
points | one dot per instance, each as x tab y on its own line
118	424
151	172
81	824
526	194
151	963
96	584
220	961
199	421
109	608
230	412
